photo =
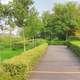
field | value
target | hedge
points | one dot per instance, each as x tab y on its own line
56	42
20	66
4	75
74	47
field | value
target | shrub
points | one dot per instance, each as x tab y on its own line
17	45
29	44
40	41
20	66
74	46
74	38
56	42
17	71
4	75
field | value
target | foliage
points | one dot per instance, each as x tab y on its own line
34	24
67	18
17	48
46	30
63	22
22	14
77	33
56	42
4	75
75	47
21	65
72	38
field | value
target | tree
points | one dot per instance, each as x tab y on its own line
1	16
7	18
21	13
66	19
46	30
34	24
62	22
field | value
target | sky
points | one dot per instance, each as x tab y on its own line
5	1
44	5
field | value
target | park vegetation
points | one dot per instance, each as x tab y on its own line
19	67
20	52
74	45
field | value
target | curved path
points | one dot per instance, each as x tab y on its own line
58	64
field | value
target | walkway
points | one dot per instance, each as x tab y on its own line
58	64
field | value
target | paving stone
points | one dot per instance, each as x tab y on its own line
59	63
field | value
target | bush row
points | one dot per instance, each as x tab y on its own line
29	44
4	75
74	47
56	42
20	66
74	38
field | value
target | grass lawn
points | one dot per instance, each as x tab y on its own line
8	53
75	42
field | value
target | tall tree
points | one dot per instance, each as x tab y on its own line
62	22
66	20
35	24
21	12
7	18
46	30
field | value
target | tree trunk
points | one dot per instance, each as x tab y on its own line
24	44
10	41
34	44
66	36
44	34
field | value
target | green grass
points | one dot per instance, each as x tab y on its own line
7	53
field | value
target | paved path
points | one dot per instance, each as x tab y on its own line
58	64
